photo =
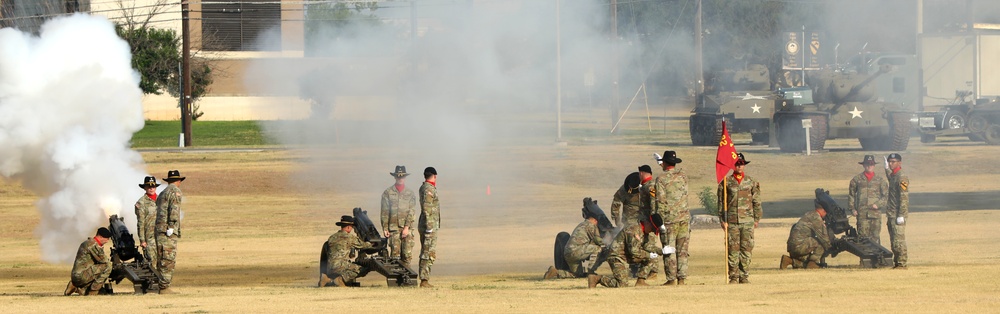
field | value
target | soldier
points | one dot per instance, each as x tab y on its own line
92	267
807	241
897	208
340	251
399	217
430	222
168	227
145	214
626	206
669	199
584	244
866	195
739	216
631	246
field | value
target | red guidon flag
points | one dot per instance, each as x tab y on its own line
725	159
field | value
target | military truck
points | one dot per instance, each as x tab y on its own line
743	97
977	119
841	103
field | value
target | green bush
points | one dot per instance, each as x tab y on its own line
709	200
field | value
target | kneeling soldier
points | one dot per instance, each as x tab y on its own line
631	245
807	241
584	244
340	252
92	266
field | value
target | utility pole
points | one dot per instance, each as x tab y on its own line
185	74
558	76
699	86
615	76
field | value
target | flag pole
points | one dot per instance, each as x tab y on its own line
725	231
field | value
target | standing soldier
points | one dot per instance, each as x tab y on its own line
807	241
631	246
739	216
669	199
92	267
145	214
168	227
584	244
430	222
626	206
898	208
398	216
339	248
865	197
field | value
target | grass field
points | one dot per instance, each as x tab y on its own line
206	133
255	222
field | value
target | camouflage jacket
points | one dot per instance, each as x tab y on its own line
743	198
625	206
88	256
669	196
145	215
899	194
398	209
168	210
340	248
811	225
430	209
584	235
632	245
862	194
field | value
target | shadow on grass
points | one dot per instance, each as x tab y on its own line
919	202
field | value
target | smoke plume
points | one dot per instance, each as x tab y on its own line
69	103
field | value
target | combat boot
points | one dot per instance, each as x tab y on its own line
641	282
812	265
70	289
680	281
425	284
733	281
339	281
744	280
651	276
552	273
785	262
324	280
669	283
91	292
592	280
167	291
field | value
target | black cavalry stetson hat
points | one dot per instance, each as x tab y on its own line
149	182
741	160
174	175
869	160
670	156
632	182
345	220
400	172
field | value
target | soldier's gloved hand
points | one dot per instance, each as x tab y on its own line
900	220
667	250
886	160
658	158
663	228
170	232
429	231
653	255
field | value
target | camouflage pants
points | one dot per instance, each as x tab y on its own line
619	271
428	253
870	228
677	235
91	278
347	270
805	251
167	247
897	236
740	247
400	247
151	251
575	261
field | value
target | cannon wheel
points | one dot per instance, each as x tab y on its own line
560	261
322	259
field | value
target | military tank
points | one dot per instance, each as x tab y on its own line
743	97
841	104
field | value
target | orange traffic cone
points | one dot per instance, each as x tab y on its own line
487	190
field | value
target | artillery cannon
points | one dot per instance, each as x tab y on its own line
375	258
127	262
608	231
872	254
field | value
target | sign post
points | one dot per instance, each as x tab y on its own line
807	124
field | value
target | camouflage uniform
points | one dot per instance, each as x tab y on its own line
744	210
808	239
861	195
430	223
625	207
145	214
168	215
630	246
669	195
584	244
898	206
340	251
91	268
398	211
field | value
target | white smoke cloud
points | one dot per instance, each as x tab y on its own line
69	104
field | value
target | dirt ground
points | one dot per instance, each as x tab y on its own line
255	221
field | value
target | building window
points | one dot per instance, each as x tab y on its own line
239	25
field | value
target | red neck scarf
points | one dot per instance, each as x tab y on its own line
432	183
98	240
738	177
894	171
152	196
647	179
400	187
869	175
